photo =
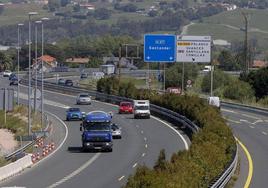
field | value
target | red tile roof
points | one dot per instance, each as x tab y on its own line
259	64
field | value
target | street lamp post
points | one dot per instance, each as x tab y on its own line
42	73
18	71
35	91
29	74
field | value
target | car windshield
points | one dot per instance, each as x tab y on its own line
84	95
125	104
142	107
115	127
97	126
74	110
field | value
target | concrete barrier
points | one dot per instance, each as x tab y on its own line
15	167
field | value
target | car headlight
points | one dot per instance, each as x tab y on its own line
107	143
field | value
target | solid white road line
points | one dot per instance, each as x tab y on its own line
77	171
253	117
231	111
243	120
176	131
66	135
258	121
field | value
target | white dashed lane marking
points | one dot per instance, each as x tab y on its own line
143	155
119	179
146	146
251	127
134	165
264	133
253	117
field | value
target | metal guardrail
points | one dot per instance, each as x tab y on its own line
219	182
22	149
224	178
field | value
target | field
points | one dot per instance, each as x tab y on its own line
16	13
227	26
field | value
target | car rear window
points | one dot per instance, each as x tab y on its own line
125	104
84	95
74	109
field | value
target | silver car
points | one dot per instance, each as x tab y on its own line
83	98
116	131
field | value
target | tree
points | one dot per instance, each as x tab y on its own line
102	14
63	3
227	61
258	80
238	90
53	5
174	74
161	162
153	13
220	79
5	61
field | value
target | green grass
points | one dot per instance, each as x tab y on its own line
141	83
216	26
18	125
16	13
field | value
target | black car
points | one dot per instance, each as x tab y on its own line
69	83
83	76
14	81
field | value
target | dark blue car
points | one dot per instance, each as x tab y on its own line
14	81
74	114
13	75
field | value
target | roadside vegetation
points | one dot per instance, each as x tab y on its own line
16	122
211	149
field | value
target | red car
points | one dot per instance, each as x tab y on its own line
125	107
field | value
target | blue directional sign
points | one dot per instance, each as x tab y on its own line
159	48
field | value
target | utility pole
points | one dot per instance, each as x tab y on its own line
119	65
246	68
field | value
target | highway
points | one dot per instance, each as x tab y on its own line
72	168
68	167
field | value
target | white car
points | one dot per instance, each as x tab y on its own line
83	98
116	131
214	101
7	73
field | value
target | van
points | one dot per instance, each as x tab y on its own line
141	109
214	101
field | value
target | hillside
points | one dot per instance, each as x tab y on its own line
229	26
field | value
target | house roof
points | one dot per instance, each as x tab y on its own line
77	60
259	64
47	58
